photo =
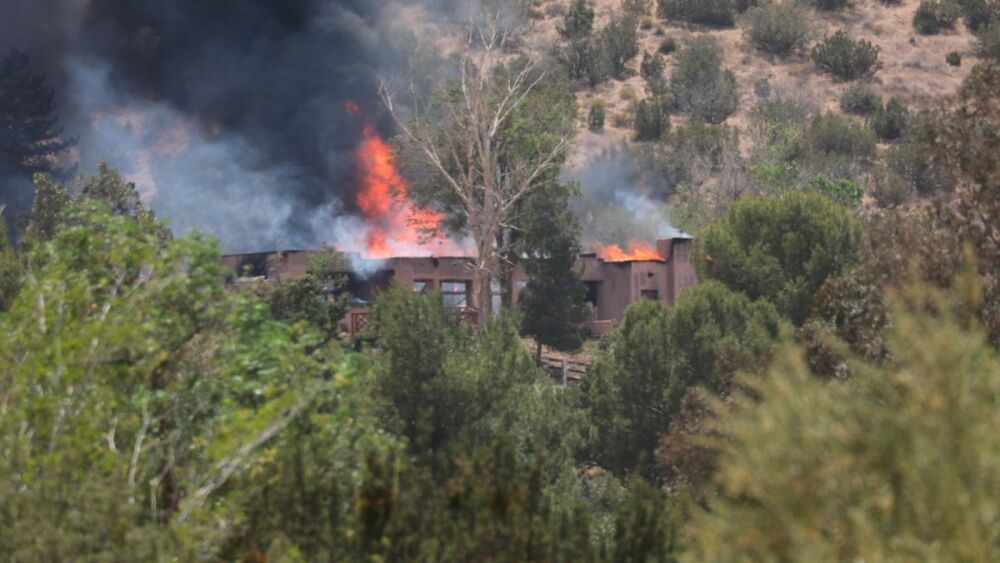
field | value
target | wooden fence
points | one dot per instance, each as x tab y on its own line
564	370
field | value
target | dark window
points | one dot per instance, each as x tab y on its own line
592	288
455	294
651	294
421	286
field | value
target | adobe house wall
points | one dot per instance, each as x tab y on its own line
618	284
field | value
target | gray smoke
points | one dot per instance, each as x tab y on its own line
228	114
618	201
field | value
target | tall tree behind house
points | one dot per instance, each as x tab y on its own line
554	300
30	140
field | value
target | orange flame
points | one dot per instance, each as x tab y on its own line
395	226
636	250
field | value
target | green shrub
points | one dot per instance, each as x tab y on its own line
652	120
844	191
890	120
891	2
699	85
889	189
709	12
585	60
859	99
989	41
779	28
635	8
595	119
835	134
933	17
579	20
620	41
845	58
953	58
911	160
829	5
667	46
978	14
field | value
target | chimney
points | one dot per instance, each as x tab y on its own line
665	248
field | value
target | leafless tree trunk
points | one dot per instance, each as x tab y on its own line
465	144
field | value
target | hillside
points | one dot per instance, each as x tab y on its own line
913	65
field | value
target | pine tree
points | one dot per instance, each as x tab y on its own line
29	138
554	301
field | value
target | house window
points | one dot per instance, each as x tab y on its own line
592	288
651	294
455	294
421	286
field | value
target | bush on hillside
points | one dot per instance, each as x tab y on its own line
845	58
835	134
889	189
978	14
989	41
933	17
953	58
595	119
667	46
720	13
635	8
779	28
829	5
579	20
859	99
620	41
652	120
890	120
700	86
585	61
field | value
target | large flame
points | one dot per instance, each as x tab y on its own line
395	226
636	250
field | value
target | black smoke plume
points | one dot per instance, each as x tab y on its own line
229	114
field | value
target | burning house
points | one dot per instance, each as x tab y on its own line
615	278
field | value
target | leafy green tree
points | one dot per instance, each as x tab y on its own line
11	268
140	386
699	85
897	464
310	298
554	302
631	393
29	137
52	198
780	249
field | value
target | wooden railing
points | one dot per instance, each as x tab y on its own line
564	370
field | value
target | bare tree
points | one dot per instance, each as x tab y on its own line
463	139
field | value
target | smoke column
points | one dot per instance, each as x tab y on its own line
228	114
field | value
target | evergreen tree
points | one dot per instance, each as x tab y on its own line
554	300
632	393
29	137
900	463
781	249
10	267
